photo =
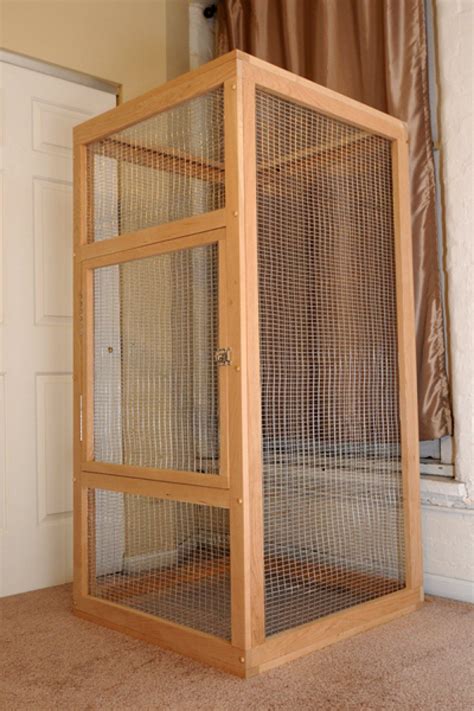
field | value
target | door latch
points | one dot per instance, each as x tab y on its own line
223	356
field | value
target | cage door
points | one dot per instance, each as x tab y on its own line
157	356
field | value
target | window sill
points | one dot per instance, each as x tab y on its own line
445	492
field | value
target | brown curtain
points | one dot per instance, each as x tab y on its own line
375	52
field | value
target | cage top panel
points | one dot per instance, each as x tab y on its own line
231	66
159	170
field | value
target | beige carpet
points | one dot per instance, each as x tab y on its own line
52	660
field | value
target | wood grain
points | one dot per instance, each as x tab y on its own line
240	487
206	496
407	364
171	94
153	235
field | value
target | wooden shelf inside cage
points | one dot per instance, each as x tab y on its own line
245	418
172	161
166	159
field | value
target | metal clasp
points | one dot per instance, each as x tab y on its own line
223	356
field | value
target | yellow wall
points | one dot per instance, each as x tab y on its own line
121	40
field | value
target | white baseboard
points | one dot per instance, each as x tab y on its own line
453	588
150	561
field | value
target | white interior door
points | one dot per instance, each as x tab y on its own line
38	114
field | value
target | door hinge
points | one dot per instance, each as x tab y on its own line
223	356
80	418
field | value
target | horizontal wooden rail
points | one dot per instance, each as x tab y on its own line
213	481
198	645
153	235
171	94
294	643
162	159
328	152
318	98
207	496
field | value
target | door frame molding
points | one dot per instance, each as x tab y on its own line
59	72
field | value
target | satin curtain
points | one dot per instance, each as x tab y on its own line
375	52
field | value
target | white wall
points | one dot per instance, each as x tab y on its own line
456	77
448	511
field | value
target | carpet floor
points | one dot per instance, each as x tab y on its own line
49	659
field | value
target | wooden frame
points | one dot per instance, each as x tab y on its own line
132	253
239	489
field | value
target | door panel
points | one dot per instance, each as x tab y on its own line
157	401
39	112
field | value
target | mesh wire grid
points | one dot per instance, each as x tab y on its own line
159	170
155	376
333	510
166	558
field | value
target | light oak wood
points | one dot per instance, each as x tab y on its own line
174	244
170	161
87	404
198	645
224	373
214	481
241	609
113	587
153	235
164	97
254	494
407	364
79	507
295	643
332	576
220	480
325	101
206	496
239	485
328	152
246	663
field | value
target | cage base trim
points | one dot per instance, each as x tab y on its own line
294	643
276	650
200	646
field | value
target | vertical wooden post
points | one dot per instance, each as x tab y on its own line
407	362
245	477
80	498
254	414
238	461
87	286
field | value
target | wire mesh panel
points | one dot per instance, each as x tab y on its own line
166	558
159	170
155	375
333	534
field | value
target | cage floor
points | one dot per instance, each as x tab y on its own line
295	594
193	598
301	601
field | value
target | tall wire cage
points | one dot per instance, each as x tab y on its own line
245	390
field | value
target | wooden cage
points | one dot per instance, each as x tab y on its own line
246	456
